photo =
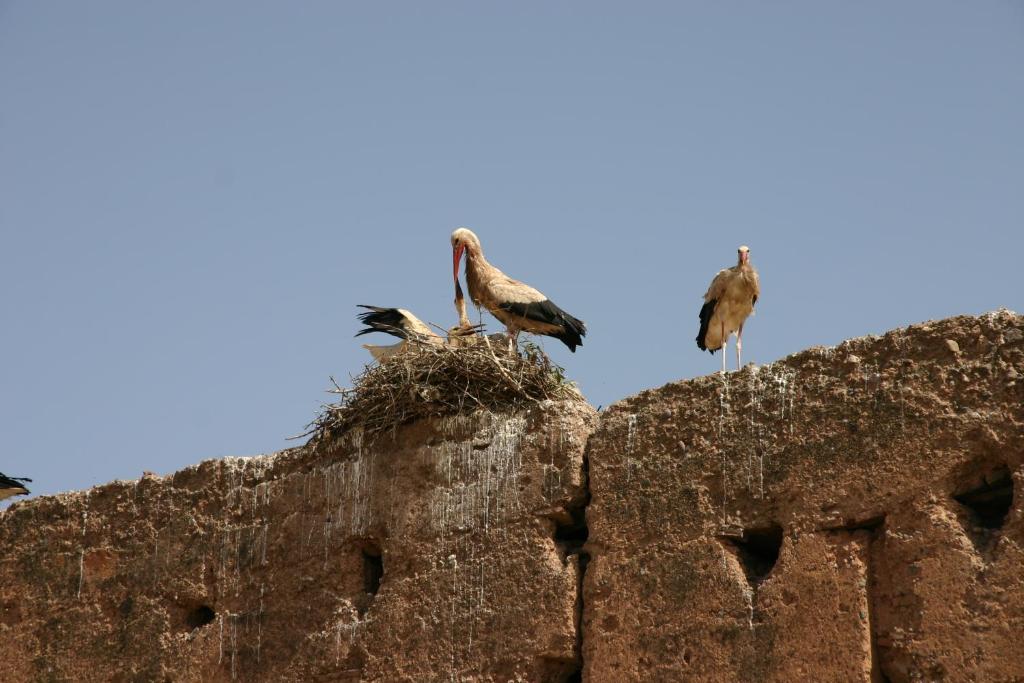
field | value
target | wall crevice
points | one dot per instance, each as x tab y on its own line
986	500
881	667
570	538
757	550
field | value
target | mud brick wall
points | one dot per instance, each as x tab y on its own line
846	514
428	556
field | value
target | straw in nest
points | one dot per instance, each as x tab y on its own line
432	380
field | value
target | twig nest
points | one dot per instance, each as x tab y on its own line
434	380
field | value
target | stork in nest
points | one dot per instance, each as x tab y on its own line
400	323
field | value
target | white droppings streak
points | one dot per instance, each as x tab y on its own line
899	387
81	571
748	594
723	412
630	434
479	463
259	626
631	421
723	403
482	484
772	402
339	628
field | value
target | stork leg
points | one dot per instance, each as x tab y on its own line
739	345
513	340
725	344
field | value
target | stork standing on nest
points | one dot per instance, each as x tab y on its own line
401	323
727	303
518	305
12	486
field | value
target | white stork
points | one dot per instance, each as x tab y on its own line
727	303
518	305
12	486
401	323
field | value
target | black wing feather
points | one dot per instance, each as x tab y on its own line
378	319
573	329
706	311
12	482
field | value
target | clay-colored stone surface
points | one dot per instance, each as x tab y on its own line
846	514
846	460
277	554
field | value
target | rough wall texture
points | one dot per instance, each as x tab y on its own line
430	556
844	514
801	521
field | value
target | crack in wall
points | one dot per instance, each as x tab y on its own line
872	529
875	528
581	571
570	539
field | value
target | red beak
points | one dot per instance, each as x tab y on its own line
456	259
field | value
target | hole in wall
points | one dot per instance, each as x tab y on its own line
370	562
757	550
199	617
572	532
988	500
556	670
373	568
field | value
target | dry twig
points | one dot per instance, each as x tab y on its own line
429	380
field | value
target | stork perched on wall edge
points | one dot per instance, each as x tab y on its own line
727	303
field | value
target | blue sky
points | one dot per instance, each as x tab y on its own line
195	196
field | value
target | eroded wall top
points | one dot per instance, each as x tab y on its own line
845	514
